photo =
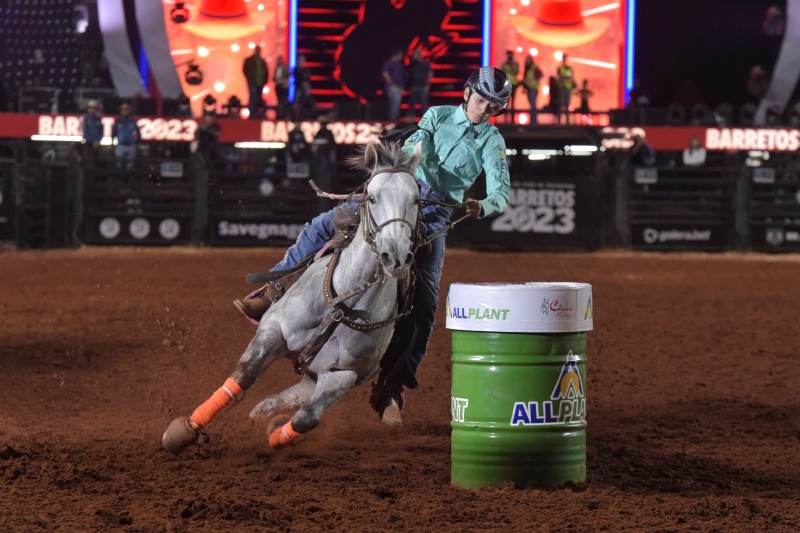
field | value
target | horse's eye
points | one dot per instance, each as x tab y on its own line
416	200
371	199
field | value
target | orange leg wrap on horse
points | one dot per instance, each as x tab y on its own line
283	436
222	398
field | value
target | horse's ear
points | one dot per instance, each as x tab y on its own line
416	156
371	156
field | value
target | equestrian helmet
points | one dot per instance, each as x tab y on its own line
492	84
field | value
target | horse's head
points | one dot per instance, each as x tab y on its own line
391	206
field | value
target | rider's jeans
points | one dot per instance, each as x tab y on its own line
434	217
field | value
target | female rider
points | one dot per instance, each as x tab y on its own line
457	142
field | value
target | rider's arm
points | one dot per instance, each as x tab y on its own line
497	178
427	125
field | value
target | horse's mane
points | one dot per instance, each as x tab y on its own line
346	219
390	155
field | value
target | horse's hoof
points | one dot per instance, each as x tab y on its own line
276	422
179	436
283	437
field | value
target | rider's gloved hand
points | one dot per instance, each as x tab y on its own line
473	207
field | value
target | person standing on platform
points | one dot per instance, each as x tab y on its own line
531	81
281	79
585	93
420	75
303	101
257	74
394	77
566	84
511	68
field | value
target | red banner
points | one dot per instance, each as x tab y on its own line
662	138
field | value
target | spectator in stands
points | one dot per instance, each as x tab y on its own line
281	79
531	80
323	162
257	74
585	94
394	77
642	154
302	83
126	133
420	75
297	149
511	68
233	109
566	84
695	154
638	95
92	129
207	137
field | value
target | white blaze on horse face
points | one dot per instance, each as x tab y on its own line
394	196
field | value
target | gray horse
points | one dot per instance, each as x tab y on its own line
380	254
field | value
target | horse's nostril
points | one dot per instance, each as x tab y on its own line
409	258
385	259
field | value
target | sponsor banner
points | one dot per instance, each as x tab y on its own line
566	404
24	126
520	307
680	236
775	238
248	232
137	229
558	211
670	138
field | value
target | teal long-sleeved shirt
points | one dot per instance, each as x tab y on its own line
453	156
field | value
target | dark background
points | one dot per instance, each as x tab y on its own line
713	42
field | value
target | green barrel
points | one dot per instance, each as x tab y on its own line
518	400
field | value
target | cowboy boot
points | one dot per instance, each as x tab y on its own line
389	409
387	399
255	306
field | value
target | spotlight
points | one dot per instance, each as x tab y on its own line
209	105
179	14
193	75
80	18
234	47
219	86
202	51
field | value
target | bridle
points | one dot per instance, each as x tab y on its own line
372	229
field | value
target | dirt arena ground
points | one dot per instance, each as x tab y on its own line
693	403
